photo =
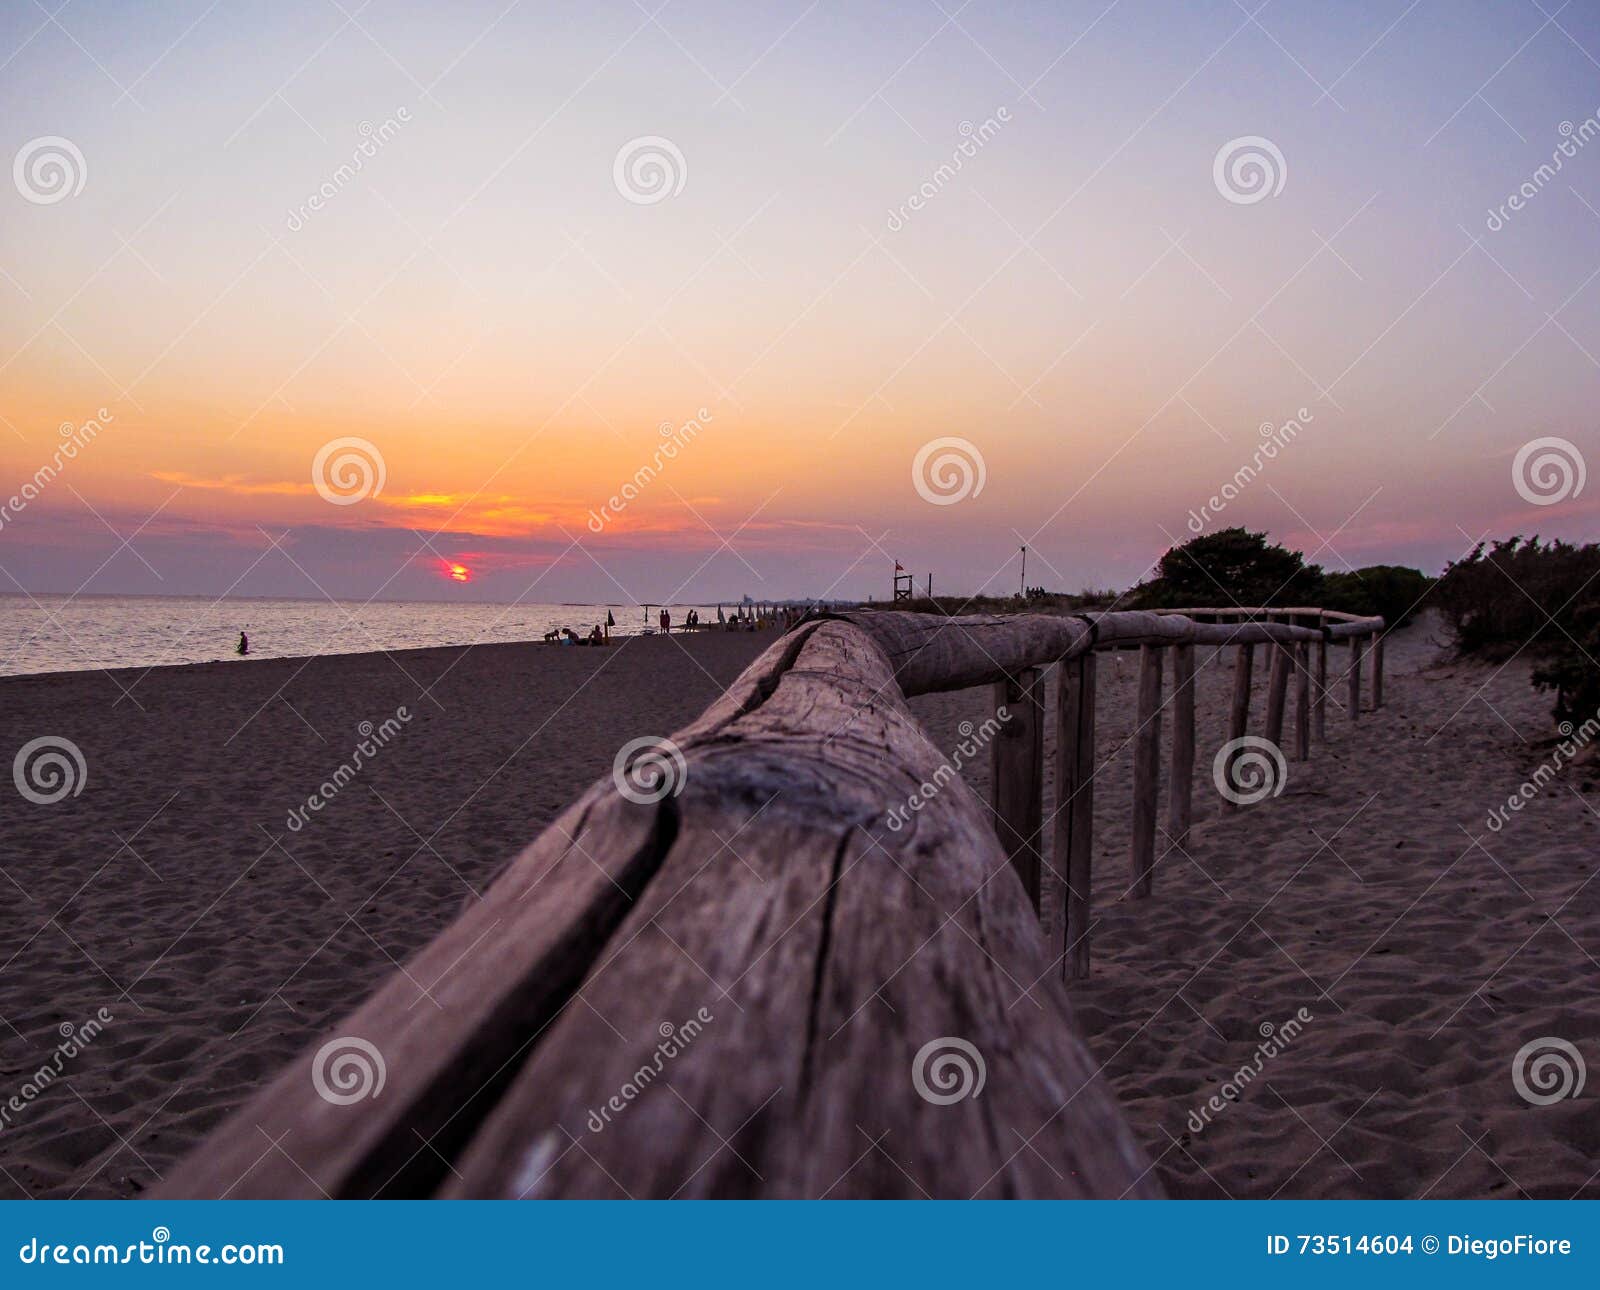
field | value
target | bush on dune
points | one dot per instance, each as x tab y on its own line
1237	567
1229	567
1391	590
1523	594
1516	593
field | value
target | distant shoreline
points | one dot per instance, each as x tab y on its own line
619	639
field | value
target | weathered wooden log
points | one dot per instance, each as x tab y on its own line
1016	775
1357	648
1376	654
1278	692
1302	701
1320	703
1146	769
814	907
1073	849
1356	627
930	653
1180	786
1238	713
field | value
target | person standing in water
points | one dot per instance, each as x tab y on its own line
243	646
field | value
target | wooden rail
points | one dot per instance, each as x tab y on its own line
802	924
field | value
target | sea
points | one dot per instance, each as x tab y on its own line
87	633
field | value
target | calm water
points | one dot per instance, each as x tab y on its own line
66	634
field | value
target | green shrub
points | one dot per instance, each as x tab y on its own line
1518	593
1229	567
1391	590
1573	668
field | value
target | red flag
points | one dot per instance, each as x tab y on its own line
898	567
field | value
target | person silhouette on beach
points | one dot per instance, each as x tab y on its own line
666	623
243	647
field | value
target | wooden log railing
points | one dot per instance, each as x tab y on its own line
803	923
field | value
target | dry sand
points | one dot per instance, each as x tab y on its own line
172	892
1426	949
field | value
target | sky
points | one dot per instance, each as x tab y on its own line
688	301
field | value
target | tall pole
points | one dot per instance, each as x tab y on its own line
1023	589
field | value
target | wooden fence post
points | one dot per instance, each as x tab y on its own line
1146	768
1321	701
1278	692
1016	774
1302	701
1356	646
1377	670
1180	788
1073	848
1239	714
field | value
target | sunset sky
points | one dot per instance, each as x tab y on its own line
496	305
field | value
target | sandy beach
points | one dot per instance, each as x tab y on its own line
173	894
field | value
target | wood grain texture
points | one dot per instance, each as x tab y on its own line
1302	701
1278	692
1073	851
1180	786
1238	710
1146	769
1357	648
1016	775
1320	694
829	949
